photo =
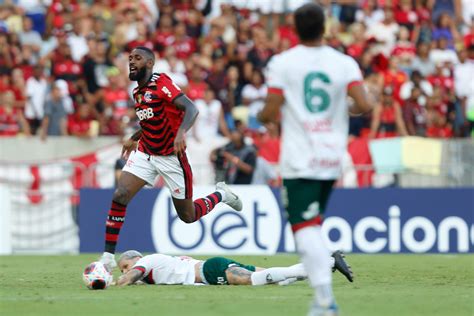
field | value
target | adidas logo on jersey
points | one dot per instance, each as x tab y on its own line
145	114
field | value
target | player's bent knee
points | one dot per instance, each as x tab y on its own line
187	217
121	195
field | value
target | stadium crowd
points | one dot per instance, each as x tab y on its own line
63	63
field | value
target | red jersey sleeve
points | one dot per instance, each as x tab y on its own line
167	89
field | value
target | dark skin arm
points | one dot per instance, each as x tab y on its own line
131	144
190	114
271	110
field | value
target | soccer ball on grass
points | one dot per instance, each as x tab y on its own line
96	276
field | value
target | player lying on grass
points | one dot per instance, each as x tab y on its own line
164	269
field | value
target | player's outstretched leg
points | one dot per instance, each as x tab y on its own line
190	211
127	186
279	274
341	265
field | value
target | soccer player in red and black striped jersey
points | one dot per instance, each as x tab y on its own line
159	148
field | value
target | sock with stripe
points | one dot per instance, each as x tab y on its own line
204	205
113	225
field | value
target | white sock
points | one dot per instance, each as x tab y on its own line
223	194
275	275
316	259
288	281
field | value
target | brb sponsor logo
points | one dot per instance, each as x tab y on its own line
255	230
415	234
145	114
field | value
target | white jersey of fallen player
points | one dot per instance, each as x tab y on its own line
315	123
163	269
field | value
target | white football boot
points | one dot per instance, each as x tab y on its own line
231	198
108	259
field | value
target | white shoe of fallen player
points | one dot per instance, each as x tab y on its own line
108	259
231	198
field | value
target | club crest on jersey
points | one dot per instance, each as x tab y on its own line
147	96
139	98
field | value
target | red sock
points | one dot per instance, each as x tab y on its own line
205	205
113	225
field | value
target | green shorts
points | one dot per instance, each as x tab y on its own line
213	270
305	199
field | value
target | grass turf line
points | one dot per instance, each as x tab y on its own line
385	285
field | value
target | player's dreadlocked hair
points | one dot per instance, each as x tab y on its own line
148	52
309	22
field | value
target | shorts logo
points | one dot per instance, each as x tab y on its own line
269	278
129	163
311	212
177	191
145	114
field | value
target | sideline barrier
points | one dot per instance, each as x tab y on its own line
359	220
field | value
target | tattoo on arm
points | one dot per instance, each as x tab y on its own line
190	111
238	276
130	277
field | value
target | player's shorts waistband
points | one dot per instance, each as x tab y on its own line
201	273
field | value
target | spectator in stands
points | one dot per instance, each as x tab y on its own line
405	14
95	67
29	37
417	80
234	89
196	86
143	38
464	89
253	96
163	36
64	67
12	120
267	141
421	61
387	117
404	48
77	41
394	77
384	32
36	90
211	122
81	124
439	127
285	37
437	124
414	114
370	14
55	116
442	54
445	28
183	44
235	161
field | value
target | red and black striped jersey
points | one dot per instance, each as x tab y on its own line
159	117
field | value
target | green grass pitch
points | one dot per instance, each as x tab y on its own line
385	285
